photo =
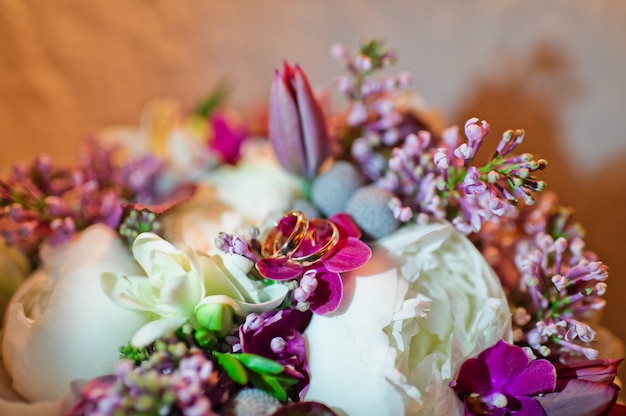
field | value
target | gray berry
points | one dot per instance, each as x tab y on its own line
369	207
332	189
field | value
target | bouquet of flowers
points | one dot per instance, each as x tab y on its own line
357	262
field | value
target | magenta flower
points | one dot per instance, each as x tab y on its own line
502	381
297	128
227	138
321	287
277	335
583	388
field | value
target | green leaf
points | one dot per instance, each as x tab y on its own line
233	367
270	385
260	364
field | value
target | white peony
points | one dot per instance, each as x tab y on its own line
60	326
14	268
232	198
423	304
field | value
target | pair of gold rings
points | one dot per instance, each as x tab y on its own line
278	245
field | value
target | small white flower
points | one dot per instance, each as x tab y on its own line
177	281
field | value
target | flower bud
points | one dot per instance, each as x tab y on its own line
215	317
297	128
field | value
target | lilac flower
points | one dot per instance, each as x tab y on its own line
555	285
325	290
503	380
174	379
41	201
277	335
297	127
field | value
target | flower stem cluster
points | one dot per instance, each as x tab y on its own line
43	202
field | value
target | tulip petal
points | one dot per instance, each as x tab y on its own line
599	371
313	126
284	126
579	398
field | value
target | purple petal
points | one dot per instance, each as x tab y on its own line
313	125
284	124
351	254
530	407
504	361
473	377
599	371
226	139
328	293
538	377
278	269
579	398
346	225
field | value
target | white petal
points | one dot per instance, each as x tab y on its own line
153	330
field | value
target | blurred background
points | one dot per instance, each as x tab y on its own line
555	68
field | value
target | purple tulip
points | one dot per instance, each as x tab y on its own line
297	128
584	388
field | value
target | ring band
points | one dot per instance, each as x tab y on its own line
272	248
332	242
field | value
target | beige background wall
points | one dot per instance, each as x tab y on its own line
555	68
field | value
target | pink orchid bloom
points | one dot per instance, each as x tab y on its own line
321	284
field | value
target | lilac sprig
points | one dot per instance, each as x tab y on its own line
554	284
373	111
436	178
175	379
43	202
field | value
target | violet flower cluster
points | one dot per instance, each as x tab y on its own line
431	174
174	379
43	202
555	285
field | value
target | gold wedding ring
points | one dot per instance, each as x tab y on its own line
332	242
276	245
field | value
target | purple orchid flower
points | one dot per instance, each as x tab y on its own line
277	335
297	128
321	286
504	381
227	138
584	388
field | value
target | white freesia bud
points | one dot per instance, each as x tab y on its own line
437	303
175	282
60	326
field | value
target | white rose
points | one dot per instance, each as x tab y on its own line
423	304
232	198
60	326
